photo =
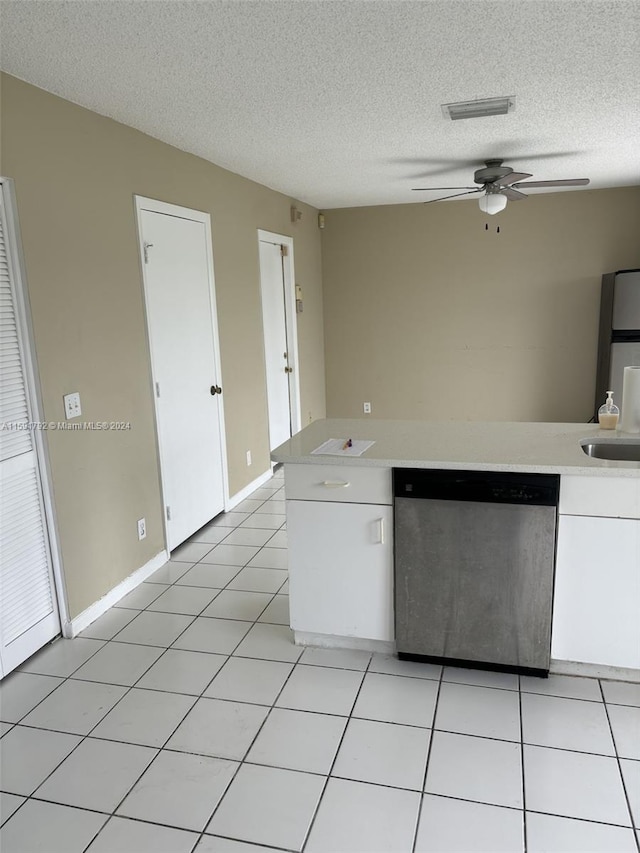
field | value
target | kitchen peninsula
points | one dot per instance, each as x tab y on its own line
340	530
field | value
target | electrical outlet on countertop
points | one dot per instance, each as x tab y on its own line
366	408
142	528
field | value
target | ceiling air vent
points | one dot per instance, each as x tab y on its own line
479	109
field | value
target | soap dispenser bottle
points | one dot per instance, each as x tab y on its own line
609	413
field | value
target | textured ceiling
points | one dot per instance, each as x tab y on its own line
337	102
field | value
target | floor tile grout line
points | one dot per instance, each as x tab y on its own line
522	770
530	811
426	766
308	773
255	844
108	818
111	817
197	696
5	820
63	677
621	774
39	675
333	763
248	750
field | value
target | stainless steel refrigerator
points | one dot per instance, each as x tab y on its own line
619	342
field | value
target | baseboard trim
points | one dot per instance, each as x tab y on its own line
594	670
333	641
98	608
234	500
557	667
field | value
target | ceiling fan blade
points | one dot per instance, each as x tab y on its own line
513	178
439	189
568	182
510	154
511	194
444	198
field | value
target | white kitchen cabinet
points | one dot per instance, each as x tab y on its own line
344	483
341	568
596	616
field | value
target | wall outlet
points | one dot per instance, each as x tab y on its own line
248	458
72	405
142	528
366	408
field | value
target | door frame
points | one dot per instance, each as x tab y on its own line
26	341
291	324
155	206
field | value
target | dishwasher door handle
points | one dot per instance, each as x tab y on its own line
335	484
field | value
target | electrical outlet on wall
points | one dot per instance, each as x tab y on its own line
366	408
142	528
72	405
248	458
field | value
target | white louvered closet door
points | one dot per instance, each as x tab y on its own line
29	615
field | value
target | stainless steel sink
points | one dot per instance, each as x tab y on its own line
621	450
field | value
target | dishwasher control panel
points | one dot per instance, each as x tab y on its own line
479	486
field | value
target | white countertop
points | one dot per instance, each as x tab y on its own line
463	445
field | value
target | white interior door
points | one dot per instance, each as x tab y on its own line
280	339
29	615
183	337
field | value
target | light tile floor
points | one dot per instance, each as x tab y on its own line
185	720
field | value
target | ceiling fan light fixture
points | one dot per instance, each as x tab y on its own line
479	109
492	203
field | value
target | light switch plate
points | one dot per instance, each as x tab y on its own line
72	406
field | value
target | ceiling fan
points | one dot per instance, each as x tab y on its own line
500	183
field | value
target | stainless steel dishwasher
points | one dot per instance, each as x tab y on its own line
474	567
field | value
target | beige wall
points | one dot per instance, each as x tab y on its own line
76	174
429	316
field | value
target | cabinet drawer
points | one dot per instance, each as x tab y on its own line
338	483
610	497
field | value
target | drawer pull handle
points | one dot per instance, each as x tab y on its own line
381	533
335	484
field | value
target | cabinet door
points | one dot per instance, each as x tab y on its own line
341	569
596	614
